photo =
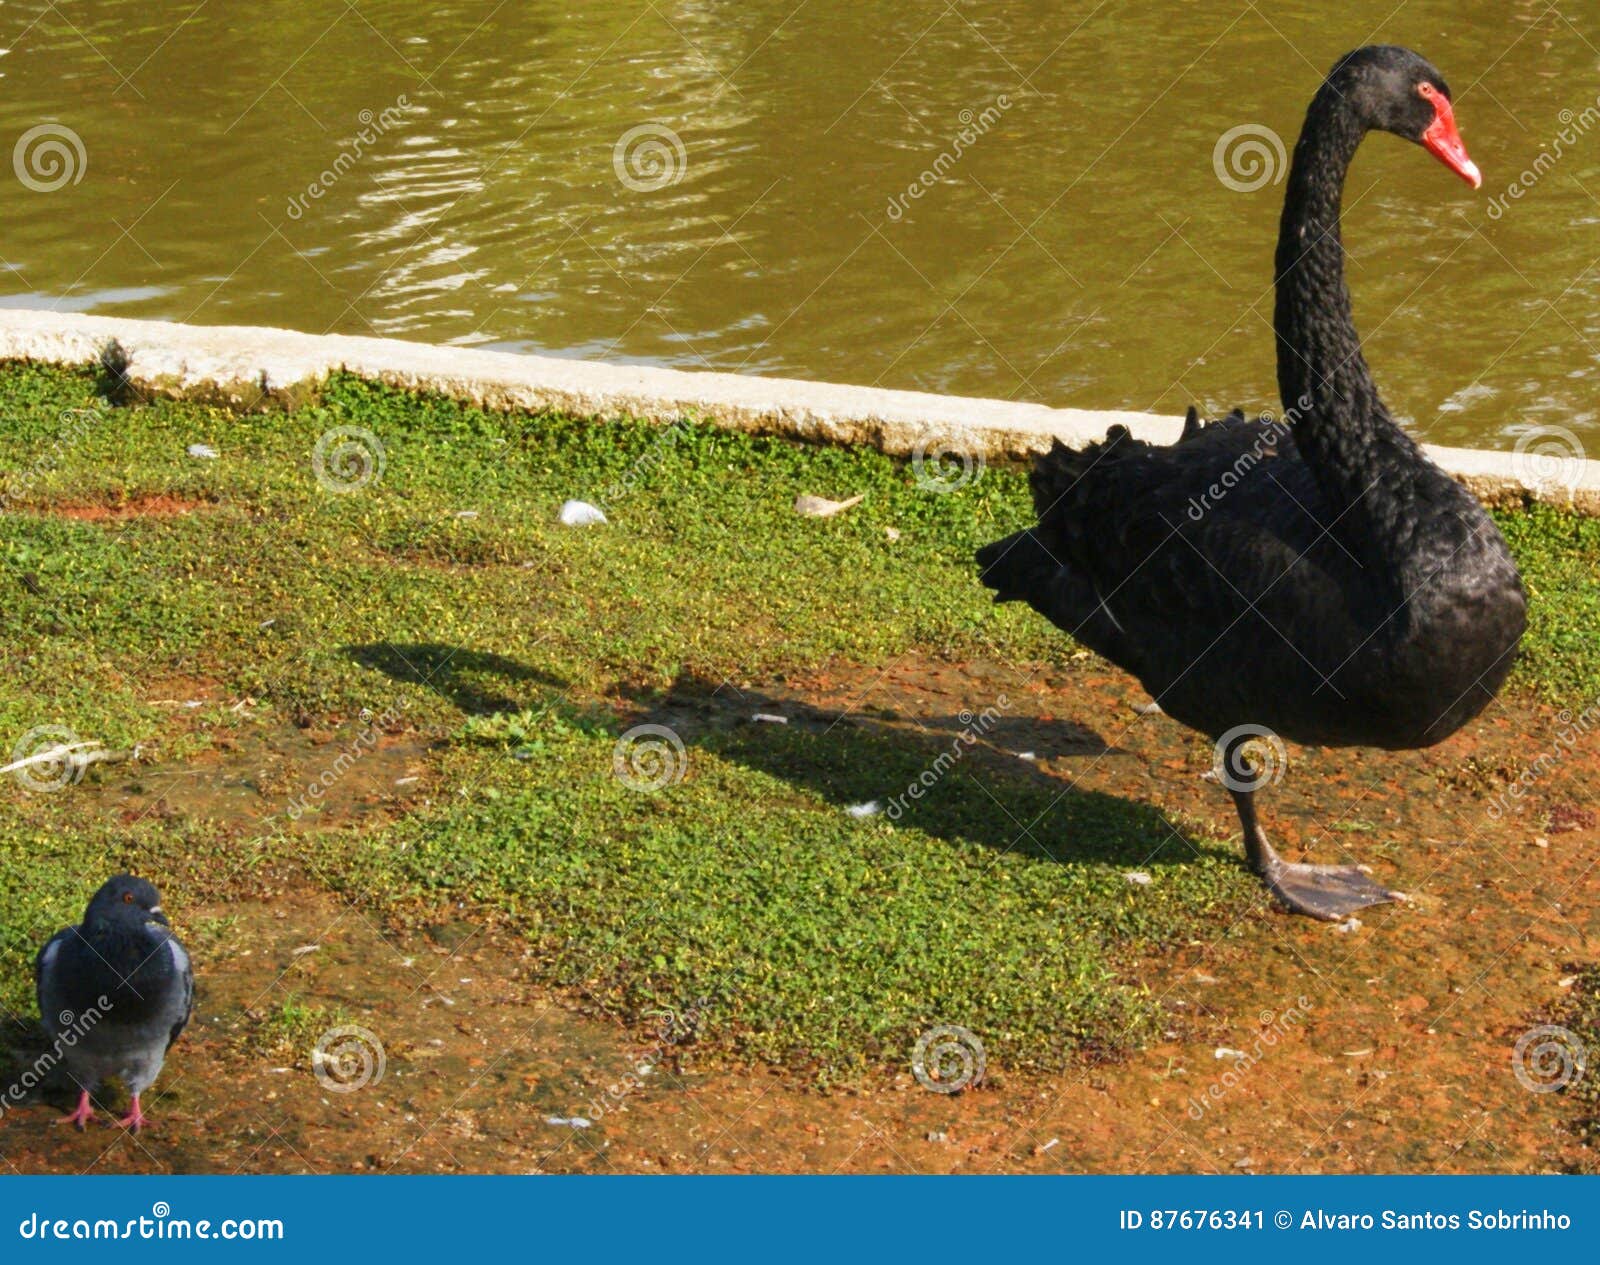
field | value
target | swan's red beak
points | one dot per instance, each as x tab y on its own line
1444	142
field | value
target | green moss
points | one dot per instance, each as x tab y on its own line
443	594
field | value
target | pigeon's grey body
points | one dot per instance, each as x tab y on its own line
115	992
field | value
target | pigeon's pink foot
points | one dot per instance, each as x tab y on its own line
135	1119
83	1114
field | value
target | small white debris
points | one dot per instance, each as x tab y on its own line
1027	755
1348	925
1247	1162
1200	977
938	1135
466	513
79	755
406	781
203	452
892	534
1151	708
769	718
1048	1145
266	623
1540	842
1138	878
580	514
568	1122
1357	1054
1566	981
1224	1052
822	507
870	809
305	949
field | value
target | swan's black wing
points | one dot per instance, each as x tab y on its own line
1173	561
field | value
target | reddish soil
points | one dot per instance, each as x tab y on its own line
160	506
1383	1048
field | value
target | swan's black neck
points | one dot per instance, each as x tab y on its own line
1340	425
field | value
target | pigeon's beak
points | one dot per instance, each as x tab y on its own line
155	912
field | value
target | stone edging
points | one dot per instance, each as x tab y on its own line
246	367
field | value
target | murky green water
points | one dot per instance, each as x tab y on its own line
452	172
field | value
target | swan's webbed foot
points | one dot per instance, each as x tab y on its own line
1329	892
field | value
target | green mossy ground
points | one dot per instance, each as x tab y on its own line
444	597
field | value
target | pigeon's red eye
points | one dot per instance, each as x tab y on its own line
127	898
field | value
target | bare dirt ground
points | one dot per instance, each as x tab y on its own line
1293	1046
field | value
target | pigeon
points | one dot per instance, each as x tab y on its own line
114	993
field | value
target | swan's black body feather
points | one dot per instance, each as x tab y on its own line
1216	571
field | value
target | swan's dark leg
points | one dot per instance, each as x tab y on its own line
1329	892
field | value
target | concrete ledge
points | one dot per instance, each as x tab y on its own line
248	367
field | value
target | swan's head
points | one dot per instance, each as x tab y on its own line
1399	91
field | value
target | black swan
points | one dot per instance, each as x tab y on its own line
1314	577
